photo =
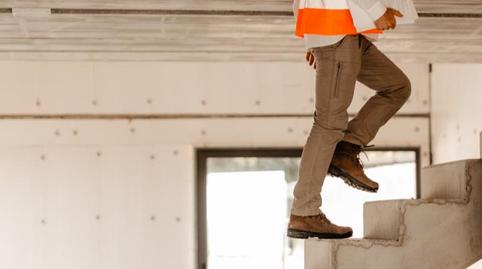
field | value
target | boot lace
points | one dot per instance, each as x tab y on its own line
323	218
356	157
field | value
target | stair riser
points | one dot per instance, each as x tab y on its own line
318	254
448	181
381	220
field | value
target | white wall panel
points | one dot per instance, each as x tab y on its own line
96	207
18	205
456	111
175	87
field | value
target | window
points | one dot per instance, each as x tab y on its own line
244	200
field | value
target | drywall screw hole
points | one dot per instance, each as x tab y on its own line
417	129
290	130
42	157
203	102
153	157
178	219
311	100
38	102
133	130
57	133
43	221
257	102
75	132
98	153
149	100
94	102
425	102
153	218
175	152
97	217
364	98
203	132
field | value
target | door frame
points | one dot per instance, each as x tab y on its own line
202	155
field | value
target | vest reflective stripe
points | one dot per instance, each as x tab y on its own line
327	22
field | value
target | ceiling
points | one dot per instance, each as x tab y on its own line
213	30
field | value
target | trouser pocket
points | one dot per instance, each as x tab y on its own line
336	78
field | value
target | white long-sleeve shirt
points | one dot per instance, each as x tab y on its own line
374	8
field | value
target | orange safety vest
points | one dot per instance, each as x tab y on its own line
327	17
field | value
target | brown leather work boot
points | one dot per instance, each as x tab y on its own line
346	165
316	226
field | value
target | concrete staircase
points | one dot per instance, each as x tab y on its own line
441	230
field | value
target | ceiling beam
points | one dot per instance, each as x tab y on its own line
98	11
449	15
169	12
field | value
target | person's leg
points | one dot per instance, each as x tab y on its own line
337	68
392	90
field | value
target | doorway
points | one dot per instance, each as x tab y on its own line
244	199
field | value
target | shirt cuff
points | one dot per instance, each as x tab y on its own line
377	10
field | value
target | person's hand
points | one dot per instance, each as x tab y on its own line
388	21
310	59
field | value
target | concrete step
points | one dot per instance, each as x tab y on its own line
430	235
388	219
324	254
449	180
441	184
443	231
353	253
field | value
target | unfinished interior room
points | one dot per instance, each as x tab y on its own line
240	134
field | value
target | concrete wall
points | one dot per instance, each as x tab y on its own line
174	87
456	111
84	186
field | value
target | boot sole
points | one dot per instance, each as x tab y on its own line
293	233
349	180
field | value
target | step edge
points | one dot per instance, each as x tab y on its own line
466	161
418	201
357	241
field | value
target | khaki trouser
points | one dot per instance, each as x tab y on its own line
338	67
